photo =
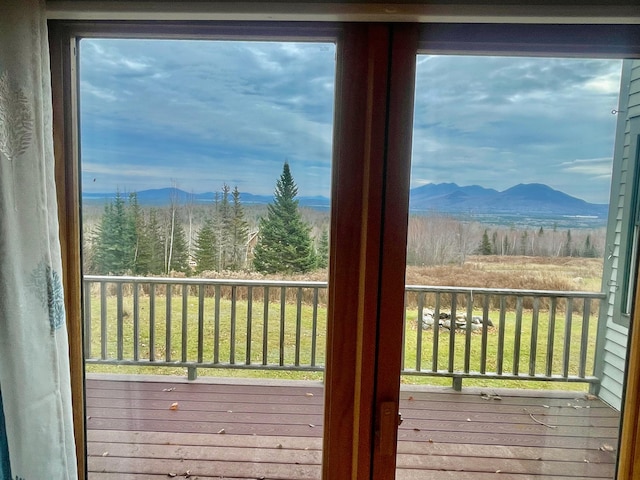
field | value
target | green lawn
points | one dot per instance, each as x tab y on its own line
306	328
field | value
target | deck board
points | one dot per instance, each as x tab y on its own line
258	430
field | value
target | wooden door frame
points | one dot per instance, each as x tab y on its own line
372	153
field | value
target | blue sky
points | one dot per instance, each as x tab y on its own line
195	114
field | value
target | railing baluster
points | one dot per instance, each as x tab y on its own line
249	325
185	321
517	335
232	340
119	322
136	321
216	326
567	337
200	323
452	333
152	322
467	339
584	341
314	327
501	327
404	332
265	326
103	320
551	335
298	325
533	348
485	332
87	319
419	331
436	334
167	321
283	299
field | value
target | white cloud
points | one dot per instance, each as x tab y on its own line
596	167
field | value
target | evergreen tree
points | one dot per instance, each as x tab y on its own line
322	256
151	249
223	228
116	239
568	246
239	231
485	245
589	249
135	226
180	254
284	244
523	242
205	248
494	243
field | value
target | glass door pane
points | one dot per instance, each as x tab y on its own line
206	170
514	343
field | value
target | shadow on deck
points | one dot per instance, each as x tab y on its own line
245	429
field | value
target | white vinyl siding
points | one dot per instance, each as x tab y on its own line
612	350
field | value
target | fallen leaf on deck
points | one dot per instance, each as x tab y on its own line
545	406
430	440
589	396
105	454
416	429
309	394
311	425
497	397
171	475
606	448
279	445
174	406
169	389
222	431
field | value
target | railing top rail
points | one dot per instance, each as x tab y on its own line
317	284
204	281
505	291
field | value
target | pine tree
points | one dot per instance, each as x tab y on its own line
322	256
151	250
589	249
116	239
568	246
205	248
524	242
485	245
180	255
284	244
238	234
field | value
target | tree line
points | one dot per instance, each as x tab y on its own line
157	241
442	239
131	240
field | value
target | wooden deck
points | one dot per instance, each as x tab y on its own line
248	430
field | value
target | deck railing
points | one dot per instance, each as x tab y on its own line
281	325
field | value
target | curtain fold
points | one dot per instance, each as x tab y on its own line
36	440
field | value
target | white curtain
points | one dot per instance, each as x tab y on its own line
36	427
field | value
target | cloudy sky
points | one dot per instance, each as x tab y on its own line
196	114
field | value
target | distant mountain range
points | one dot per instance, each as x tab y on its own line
530	199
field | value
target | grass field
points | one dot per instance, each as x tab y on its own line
563	274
